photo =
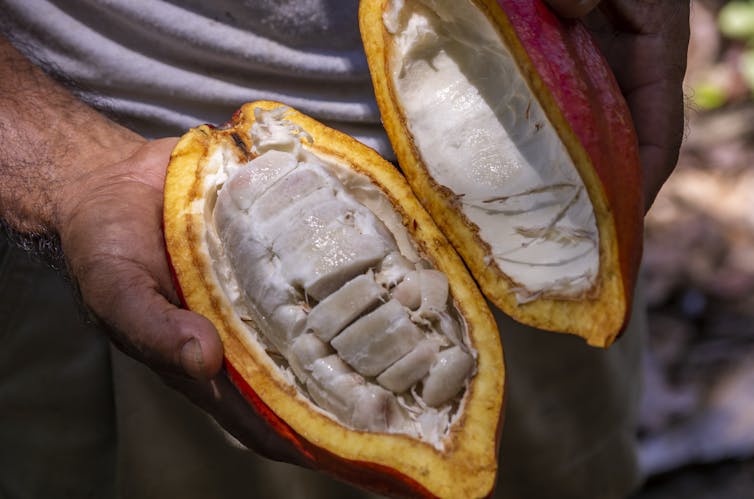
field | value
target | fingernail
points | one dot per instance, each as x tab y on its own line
192	360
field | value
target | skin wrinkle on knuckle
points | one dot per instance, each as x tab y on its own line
114	239
81	208
158	333
124	331
106	283
85	191
159	351
145	175
112	186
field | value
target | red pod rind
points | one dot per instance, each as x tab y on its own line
380	479
565	72
571	66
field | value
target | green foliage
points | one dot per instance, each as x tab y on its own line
736	22
708	95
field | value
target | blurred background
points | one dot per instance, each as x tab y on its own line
697	421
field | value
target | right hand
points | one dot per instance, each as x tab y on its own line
645	42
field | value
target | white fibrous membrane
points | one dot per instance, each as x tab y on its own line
314	256
482	134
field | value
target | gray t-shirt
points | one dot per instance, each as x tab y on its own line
165	66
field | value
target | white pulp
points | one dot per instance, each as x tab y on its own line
482	134
314	254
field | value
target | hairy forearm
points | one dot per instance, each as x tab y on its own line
49	140
69	174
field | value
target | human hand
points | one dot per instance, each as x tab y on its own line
110	223
645	42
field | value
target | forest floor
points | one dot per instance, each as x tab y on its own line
697	420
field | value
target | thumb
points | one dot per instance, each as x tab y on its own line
201	352
147	326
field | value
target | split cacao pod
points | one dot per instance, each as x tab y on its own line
512	131
410	407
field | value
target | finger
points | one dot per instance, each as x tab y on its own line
147	326
167	335
626	32
659	145
572	8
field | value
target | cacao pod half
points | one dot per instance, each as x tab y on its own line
347	319
511	130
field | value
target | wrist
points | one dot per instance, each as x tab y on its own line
51	141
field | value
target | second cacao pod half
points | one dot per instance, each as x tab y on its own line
511	129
